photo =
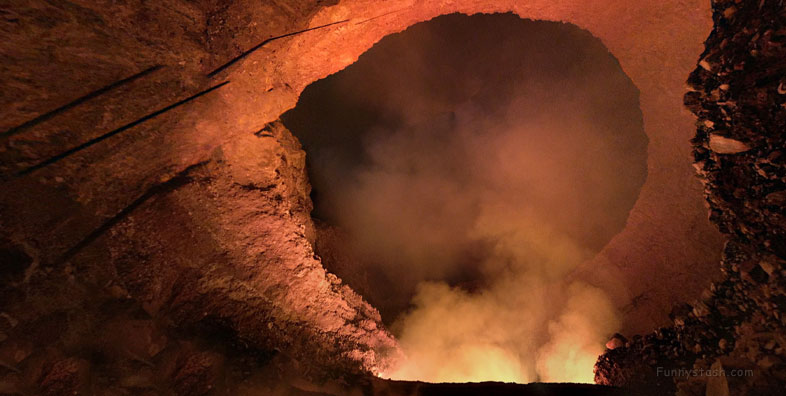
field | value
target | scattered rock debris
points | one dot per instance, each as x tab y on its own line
733	340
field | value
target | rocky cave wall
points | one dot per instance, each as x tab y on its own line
183	213
667	231
125	268
738	93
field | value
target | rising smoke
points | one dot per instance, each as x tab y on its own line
472	163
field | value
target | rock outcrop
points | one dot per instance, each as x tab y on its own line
137	255
731	342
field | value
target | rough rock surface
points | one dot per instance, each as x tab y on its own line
207	260
738	93
154	260
188	221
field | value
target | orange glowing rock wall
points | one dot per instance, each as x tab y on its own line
668	250
191	215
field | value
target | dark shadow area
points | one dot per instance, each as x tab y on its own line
444	139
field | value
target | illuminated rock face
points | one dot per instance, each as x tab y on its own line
196	216
737	326
667	230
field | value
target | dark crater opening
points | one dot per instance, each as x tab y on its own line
443	139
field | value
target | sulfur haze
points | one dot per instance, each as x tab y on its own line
461	170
